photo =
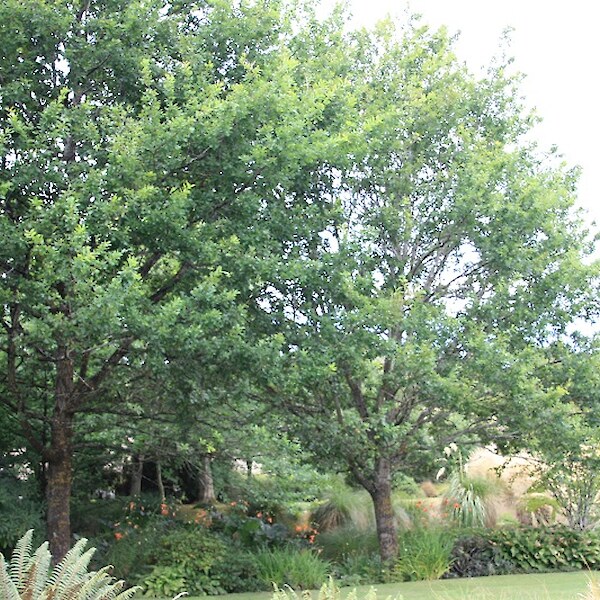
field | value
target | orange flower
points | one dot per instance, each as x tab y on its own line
456	505
118	535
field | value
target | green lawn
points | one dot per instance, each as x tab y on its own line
549	586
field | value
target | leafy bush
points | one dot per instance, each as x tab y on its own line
425	553
132	551
405	486
301	569
475	556
20	510
548	549
524	550
29	576
185	559
359	569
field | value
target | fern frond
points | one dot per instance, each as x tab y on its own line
74	576
37	573
20	559
128	594
95	587
64	568
69	580
8	590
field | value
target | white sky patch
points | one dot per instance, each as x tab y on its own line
554	43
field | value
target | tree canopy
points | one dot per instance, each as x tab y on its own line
216	203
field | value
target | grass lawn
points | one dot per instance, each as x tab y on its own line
548	586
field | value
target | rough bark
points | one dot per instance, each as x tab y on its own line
60	463
159	482
135	489
206	488
381	494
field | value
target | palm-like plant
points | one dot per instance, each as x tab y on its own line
29	576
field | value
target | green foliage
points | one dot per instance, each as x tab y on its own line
21	510
302	569
29	577
360	568
548	549
525	550
425	553
475	556
184	562
405	486
542	506
132	553
251	531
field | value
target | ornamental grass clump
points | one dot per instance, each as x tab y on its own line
425	554
302	569
469	500
29	576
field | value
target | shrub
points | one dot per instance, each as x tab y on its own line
525	550
131	552
301	569
359	569
20	510
405	486
251	531
425	554
184	562
475	556
548	549
29	576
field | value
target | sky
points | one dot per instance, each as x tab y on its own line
556	44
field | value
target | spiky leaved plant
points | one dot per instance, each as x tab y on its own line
28	576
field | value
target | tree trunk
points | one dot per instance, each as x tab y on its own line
384	512
60	463
159	482
135	489
206	488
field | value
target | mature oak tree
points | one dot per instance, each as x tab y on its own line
142	144
455	255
